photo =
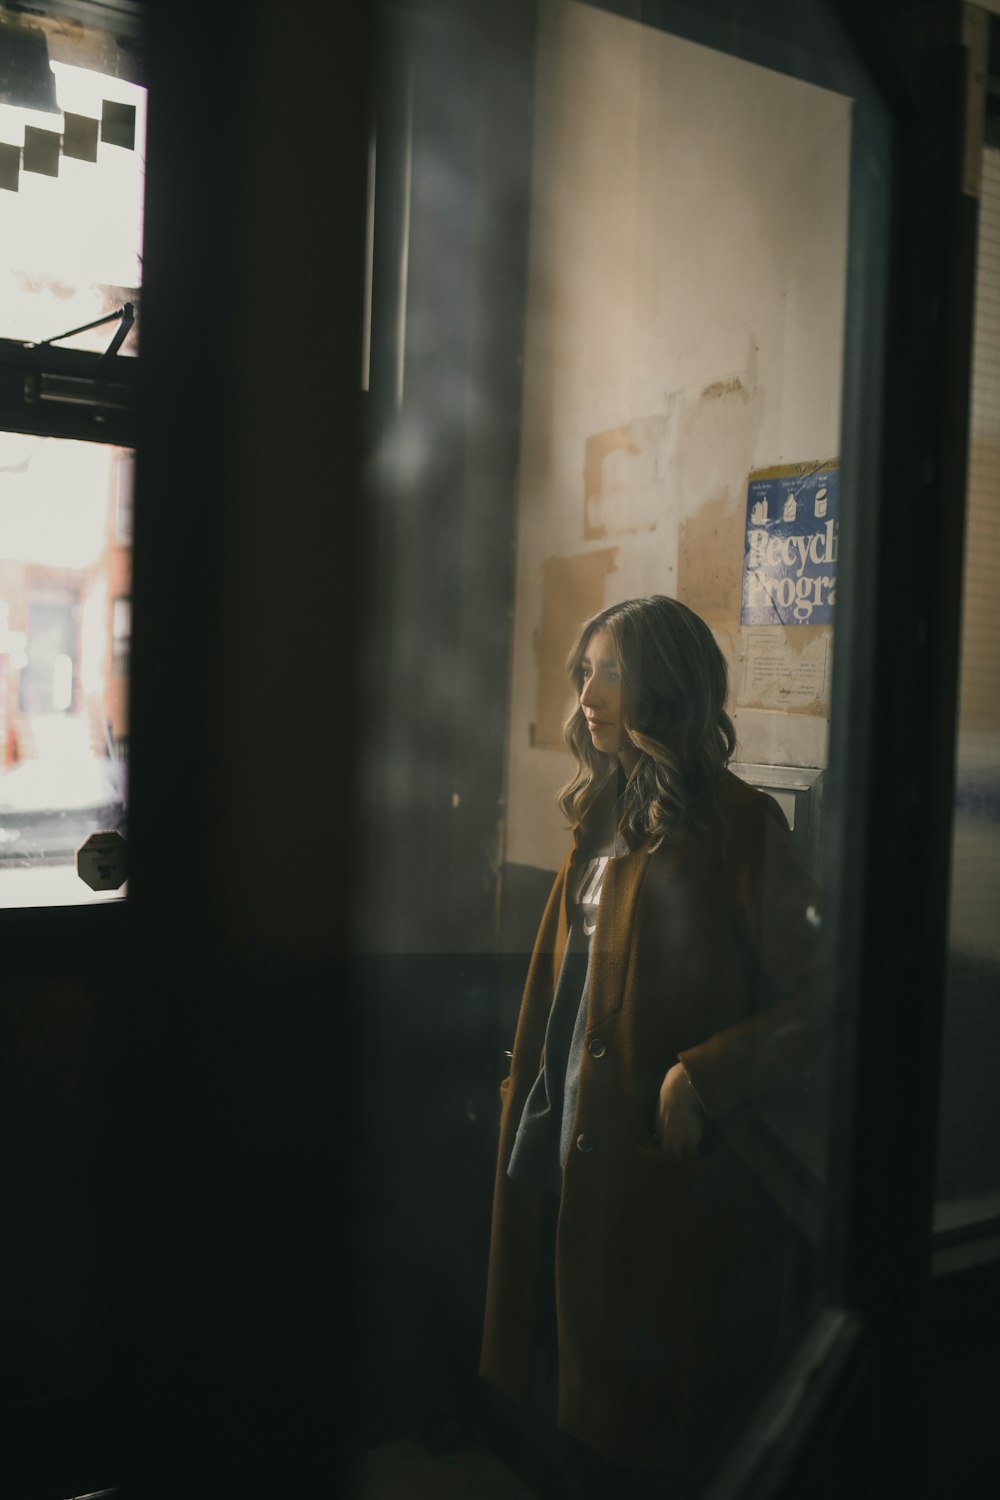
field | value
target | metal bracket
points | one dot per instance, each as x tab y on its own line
125	317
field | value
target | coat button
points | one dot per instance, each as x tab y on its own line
585	1142
597	1047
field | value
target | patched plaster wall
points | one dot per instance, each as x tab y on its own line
684	327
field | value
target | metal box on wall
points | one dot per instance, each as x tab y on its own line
798	791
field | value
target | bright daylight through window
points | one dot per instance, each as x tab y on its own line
72	130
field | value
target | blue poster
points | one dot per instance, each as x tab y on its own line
790	547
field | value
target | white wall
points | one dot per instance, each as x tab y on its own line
684	327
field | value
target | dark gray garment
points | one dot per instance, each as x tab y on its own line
537	1154
545	1132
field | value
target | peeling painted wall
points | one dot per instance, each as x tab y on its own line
685	322
572	589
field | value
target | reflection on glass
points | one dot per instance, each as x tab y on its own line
968	1185
680	437
660	1253
65	579
72	132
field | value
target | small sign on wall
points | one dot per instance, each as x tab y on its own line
778	675
790	545
100	862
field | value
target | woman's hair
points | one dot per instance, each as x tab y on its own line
674	685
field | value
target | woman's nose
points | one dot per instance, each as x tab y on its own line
588	693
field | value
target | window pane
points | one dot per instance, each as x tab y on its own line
968	1184
690	216
72	131
683	368
65	620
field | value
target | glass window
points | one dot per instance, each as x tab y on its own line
65	619
682	435
72	132
701	245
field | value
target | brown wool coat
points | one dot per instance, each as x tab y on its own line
668	1269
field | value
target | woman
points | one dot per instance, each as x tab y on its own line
667	992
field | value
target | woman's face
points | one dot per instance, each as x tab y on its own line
601	696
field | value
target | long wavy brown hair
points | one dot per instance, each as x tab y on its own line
674	688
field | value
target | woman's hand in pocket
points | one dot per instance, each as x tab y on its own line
680	1119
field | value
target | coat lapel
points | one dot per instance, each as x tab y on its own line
561	937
